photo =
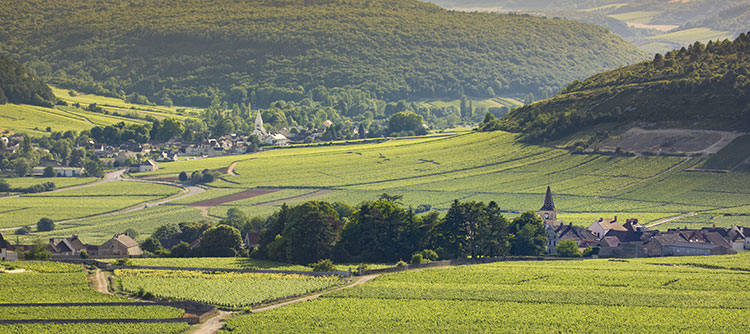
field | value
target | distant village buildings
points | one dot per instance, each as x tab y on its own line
632	239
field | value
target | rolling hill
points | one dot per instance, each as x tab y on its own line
654	26
198	52
703	86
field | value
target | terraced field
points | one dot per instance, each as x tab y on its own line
539	297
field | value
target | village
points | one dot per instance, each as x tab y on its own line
604	238
145	157
631	239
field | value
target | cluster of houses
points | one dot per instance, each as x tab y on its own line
632	239
120	245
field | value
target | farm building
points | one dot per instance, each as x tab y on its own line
146	166
123	156
120	244
694	248
68	246
60	171
5	253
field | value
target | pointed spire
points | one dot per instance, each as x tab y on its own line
548	204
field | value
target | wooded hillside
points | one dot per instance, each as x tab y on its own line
194	52
19	86
704	86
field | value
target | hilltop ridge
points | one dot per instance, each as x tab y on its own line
195	52
702	86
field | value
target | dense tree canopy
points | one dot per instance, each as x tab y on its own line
702	85
198	52
19	86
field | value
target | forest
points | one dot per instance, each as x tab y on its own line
202	53
703	86
18	86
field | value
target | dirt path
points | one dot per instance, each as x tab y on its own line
296	198
230	169
101	282
667	220
359	281
213	325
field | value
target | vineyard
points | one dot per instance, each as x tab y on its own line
237	263
233	290
435	170
596	296
52	282
82	202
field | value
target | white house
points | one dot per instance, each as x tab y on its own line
146	166
602	226
60	171
276	139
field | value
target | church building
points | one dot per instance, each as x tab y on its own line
548	210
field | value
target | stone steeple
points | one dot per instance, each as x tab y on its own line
548	204
259	130
548	210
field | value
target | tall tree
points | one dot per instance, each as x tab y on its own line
311	232
528	234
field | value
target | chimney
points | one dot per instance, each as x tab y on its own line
51	240
615	219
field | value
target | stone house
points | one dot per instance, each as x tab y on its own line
582	237
694	249
120	245
601	227
67	246
146	166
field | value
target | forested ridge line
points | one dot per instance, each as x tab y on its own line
194	52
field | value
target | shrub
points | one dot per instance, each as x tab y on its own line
429	254
45	224
49	171
323	265
84	254
183	176
568	248
23	230
401	263
416	259
124	262
591	251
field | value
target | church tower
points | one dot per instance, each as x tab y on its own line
259	131
548	210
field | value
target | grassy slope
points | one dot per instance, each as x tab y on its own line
534	297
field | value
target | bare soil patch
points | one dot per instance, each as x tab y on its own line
671	140
233	197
